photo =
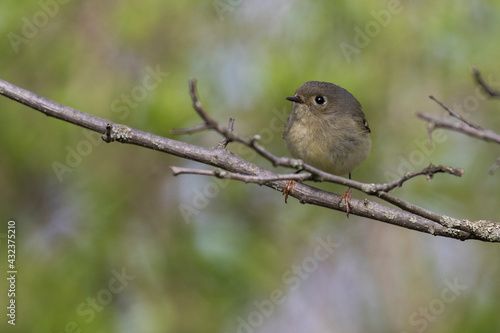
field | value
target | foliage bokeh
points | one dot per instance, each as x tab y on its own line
204	253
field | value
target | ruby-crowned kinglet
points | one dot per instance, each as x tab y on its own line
327	129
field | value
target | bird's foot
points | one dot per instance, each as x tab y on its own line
346	197
289	188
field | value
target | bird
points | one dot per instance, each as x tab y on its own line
328	130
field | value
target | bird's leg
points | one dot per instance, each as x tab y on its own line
347	197
289	187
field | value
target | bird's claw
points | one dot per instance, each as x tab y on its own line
289	188
346	197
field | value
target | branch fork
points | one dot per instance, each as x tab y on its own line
463	125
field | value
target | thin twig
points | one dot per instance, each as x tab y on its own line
261	180
201	127
479	79
225	140
372	189
456	115
209	121
429	172
494	167
230	135
438	122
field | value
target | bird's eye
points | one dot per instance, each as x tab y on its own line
320	100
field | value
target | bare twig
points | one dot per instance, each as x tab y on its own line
209	121
409	216
456	115
225	140
494	167
429	172
201	127
438	122
261	180
479	79
471	129
228	133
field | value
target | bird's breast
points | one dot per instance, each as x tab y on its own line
326	145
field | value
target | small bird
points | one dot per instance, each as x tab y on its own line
328	130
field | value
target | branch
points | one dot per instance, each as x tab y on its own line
429	172
261	180
378	190
198	128
438	122
494	167
471	129
409	216
456	115
225	140
479	79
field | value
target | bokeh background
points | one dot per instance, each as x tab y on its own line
109	241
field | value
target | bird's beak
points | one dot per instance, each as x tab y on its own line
296	99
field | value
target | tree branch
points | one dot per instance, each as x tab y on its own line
471	129
464	126
261	180
225	140
429	172
479	79
456	115
494	167
232	166
438	122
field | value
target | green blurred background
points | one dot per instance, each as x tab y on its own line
195	254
